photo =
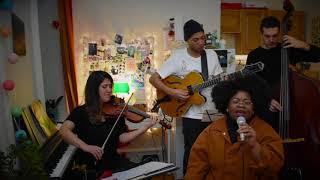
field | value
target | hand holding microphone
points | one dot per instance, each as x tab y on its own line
241	121
247	133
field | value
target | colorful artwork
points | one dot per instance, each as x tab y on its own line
126	62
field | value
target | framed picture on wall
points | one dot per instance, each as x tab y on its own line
18	35
93	49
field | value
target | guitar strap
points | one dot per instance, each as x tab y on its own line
204	65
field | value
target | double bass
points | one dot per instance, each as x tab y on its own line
299	123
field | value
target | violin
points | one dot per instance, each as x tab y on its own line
114	107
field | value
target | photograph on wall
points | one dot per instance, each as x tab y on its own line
92	49
118	39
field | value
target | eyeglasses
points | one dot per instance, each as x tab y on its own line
237	101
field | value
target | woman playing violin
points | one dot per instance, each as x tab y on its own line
87	128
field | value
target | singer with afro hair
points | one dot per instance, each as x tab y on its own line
219	153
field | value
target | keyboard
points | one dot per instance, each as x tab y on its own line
58	156
146	170
63	162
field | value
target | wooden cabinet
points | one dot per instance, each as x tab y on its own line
244	24
230	21
297	28
250	29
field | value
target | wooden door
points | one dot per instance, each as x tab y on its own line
250	29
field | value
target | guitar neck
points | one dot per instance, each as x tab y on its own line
216	80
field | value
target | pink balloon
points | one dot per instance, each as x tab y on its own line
13	58
5	31
8	85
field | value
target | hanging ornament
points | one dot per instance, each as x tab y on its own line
8	85
13	58
16	111
171	32
55	24
20	135
5	31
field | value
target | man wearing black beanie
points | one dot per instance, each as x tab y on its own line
180	63
190	28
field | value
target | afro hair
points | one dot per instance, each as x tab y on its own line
257	88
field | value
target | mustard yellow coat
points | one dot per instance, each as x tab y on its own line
214	157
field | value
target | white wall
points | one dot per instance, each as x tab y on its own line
137	16
51	54
6	128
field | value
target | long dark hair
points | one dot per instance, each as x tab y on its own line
92	97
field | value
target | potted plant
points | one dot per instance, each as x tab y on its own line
52	107
30	161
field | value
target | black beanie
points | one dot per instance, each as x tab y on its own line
191	27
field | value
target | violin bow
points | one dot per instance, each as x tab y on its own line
114	125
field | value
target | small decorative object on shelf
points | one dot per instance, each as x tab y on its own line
52	107
208	38
215	40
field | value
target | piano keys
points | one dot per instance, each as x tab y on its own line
58	156
61	166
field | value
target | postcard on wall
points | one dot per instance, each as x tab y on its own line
118	39
130	65
112	48
131	51
92	49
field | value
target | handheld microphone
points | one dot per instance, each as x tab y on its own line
241	121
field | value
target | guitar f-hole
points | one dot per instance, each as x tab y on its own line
190	91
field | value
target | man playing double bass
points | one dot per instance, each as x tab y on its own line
270	54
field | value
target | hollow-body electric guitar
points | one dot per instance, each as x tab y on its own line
194	83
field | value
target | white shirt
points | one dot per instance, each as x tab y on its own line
180	63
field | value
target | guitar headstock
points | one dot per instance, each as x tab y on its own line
165	124
253	68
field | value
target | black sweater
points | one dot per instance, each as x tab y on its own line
272	60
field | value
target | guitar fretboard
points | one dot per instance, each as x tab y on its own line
216	80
